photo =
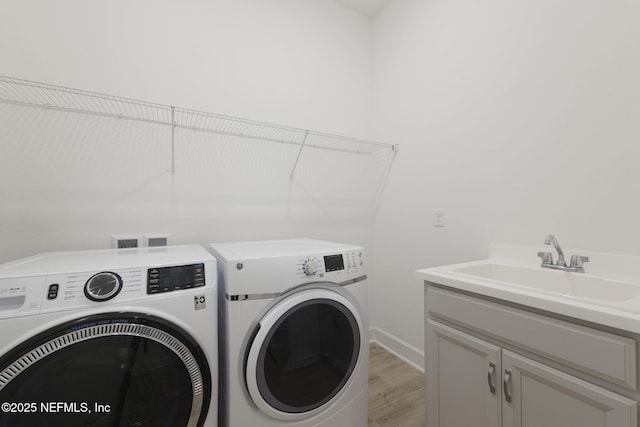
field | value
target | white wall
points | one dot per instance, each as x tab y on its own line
69	182
518	119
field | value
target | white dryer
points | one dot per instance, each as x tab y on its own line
109	338
293	332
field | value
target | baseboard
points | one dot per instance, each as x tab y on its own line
405	351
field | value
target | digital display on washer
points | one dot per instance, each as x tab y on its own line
333	263
166	279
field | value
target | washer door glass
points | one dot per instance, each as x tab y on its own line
106	370
304	354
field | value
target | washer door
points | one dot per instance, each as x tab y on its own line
112	369
304	353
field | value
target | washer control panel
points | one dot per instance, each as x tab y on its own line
58	281
167	279
85	288
69	290
331	265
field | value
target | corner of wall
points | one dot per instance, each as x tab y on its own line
400	348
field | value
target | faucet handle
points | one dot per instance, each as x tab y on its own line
547	258
578	260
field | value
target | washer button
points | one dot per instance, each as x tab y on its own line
53	291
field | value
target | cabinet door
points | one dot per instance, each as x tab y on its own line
463	379
536	395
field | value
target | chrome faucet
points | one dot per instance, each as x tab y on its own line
576	264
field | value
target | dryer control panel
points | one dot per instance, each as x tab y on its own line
330	265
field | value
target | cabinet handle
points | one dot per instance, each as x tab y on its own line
491	375
507	383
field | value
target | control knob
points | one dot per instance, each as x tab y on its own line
310	267
103	286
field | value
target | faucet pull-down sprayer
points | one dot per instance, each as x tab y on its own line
551	240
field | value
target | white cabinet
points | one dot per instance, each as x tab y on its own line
463	383
479	379
537	395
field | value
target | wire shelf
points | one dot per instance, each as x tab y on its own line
43	124
48	96
43	95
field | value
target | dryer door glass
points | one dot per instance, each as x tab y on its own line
308	355
106	370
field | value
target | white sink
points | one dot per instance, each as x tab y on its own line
607	294
576	285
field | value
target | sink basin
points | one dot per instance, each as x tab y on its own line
575	285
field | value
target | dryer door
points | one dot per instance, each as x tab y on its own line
304	354
112	369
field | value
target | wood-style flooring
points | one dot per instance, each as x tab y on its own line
396	391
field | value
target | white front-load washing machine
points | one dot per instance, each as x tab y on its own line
124	337
293	330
